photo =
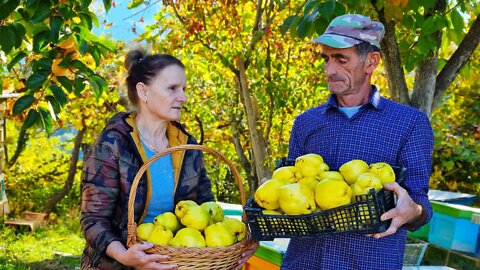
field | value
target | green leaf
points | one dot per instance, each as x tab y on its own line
19	56
55	106
107	45
433	24
40	40
46	120
326	9
7	8
59	95
305	27
36	80
311	4
98	84
43	64
107	4
80	66
86	20
79	85
340	10
32	117
56	23
95	53
7	40
41	12
20	33
22	103
465	71
135	3
65	82
320	25
457	21
288	23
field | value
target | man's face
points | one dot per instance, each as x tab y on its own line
345	71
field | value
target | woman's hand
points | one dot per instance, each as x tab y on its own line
247	254
136	257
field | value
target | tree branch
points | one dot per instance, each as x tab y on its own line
457	61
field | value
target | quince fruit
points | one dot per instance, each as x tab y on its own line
160	235
331	193
266	195
296	199
196	217
214	210
218	235
365	182
182	207
167	220
285	173
352	169
308	165
383	171
188	237
309	181
144	230
330	174
237	227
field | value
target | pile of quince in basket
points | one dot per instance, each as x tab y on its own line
193	225
309	186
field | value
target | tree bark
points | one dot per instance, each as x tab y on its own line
21	143
244	161
71	173
259	146
391	60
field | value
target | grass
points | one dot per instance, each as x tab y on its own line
55	246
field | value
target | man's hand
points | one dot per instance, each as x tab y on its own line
406	210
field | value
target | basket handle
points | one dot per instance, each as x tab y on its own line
143	168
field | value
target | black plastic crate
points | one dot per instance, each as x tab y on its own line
361	216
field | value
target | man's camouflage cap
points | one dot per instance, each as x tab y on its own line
351	29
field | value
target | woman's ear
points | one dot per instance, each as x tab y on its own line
141	91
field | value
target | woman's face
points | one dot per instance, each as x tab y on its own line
165	94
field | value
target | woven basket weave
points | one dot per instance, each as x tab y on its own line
208	258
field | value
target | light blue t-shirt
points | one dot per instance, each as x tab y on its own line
161	174
350	111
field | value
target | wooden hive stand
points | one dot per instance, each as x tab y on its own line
31	219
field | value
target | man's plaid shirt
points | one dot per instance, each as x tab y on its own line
381	131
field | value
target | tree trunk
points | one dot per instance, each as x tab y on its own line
258	143
424	85
391	60
246	165
71	173
21	142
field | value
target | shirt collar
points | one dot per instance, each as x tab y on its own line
374	100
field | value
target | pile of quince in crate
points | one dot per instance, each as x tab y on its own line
193	225
309	186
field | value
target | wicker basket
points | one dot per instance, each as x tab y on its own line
207	258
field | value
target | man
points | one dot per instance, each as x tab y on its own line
358	123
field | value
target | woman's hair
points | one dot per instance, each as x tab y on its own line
142	67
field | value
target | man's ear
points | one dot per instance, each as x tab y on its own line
373	59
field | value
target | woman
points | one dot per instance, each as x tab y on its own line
156	86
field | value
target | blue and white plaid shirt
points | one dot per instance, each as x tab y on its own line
381	131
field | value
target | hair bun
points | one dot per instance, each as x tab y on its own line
134	57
